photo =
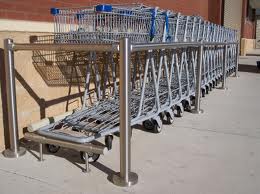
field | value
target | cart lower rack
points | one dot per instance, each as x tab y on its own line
162	81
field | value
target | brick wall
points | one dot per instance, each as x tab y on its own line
39	10
248	24
249	29
215	8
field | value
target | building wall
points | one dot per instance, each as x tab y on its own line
249	29
248	24
215	9
40	11
233	14
258	33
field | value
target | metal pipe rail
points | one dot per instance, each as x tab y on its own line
109	47
152	46
88	147
85	148
64	47
125	177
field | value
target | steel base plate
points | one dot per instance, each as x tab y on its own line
225	88
194	111
118	181
11	154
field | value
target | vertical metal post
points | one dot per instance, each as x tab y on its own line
14	151
237	60
125	177
197	109
224	72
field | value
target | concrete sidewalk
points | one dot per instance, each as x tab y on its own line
213	153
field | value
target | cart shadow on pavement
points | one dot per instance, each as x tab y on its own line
70	155
248	68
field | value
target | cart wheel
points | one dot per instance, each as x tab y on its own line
169	119
192	100
210	87
157	128
92	157
152	125
217	81
187	106
203	93
108	141
213	84
162	115
258	64
148	124
179	112
207	90
52	148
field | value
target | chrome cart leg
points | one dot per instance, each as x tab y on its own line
87	169
40	152
197	109
224	78
237	58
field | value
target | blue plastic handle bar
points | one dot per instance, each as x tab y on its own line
54	11
167	26
153	30
104	8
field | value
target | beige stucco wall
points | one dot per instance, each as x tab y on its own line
247	45
30	82
258	33
233	14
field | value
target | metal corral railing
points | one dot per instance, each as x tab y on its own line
223	53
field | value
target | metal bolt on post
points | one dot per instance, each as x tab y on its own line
197	109
14	151
125	177
224	72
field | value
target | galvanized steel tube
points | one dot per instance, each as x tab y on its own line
14	151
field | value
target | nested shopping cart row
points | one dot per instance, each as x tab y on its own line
162	81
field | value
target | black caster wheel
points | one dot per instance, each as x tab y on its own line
151	125
52	148
218	82
169	119
258	64
157	128
148	124
92	157
210	87
214	84
179	112
203	93
192	100
162	115
108	141
187	106
207	90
